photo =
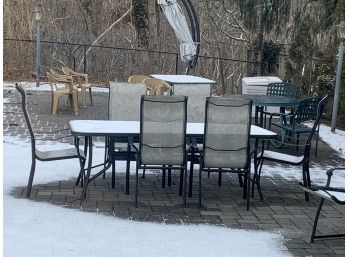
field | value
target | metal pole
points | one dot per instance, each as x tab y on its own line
337	87
38	54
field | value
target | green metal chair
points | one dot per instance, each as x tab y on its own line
329	192
294	126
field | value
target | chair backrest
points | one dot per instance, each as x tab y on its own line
124	100
197	95
281	89
57	75
307	109
163	130
319	113
137	78
26	115
227	133
66	70
157	86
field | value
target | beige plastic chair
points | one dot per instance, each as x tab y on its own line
137	78
157	86
57	92
83	82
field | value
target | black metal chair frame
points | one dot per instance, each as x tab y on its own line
241	172
306	155
182	167
52	155
306	111
330	197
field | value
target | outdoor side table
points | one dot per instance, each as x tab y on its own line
261	101
197	89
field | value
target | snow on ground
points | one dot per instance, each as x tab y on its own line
44	86
40	229
334	140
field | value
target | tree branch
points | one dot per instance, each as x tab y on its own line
106	31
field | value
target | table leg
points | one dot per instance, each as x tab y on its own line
256	177
89	167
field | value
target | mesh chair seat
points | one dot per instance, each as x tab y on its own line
58	154
281	157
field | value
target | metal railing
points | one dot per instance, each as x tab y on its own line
105	63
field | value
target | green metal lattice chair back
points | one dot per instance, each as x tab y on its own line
281	89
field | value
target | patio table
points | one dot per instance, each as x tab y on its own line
261	101
126	129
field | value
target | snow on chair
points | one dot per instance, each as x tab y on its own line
328	192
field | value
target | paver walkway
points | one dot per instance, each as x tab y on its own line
284	208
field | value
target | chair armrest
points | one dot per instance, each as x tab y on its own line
131	144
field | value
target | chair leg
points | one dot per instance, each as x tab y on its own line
220	178
163	177
113	175
185	182
304	175
191	178
169	176
200	187
136	187
248	191
55	98
31	176
143	172
127	176
240	180
316	142
83	92
316	220
74	103
297	141
181	182
245	186
90	95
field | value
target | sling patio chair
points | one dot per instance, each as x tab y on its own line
295	160
226	142
280	89
124	104
157	86
57	92
82	80
292	125
329	192
162	139
50	155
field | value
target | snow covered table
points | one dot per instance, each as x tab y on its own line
126	129
197	89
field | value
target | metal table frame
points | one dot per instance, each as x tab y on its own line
131	129
261	101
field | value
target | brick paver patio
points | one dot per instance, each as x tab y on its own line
284	208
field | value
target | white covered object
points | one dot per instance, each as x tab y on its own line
257	85
178	22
